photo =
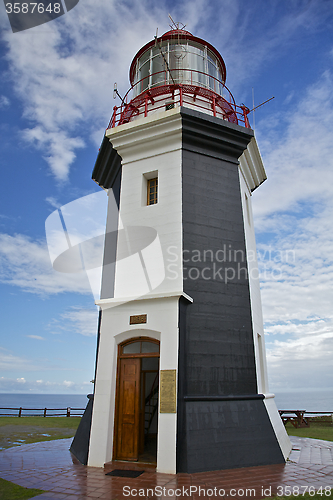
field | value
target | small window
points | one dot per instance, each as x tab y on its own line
152	185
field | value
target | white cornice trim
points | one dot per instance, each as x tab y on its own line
269	396
160	133
107	303
146	137
251	166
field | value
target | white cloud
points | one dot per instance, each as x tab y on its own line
303	360
64	71
297	270
68	383
53	202
64	81
26	263
78	320
59	149
36	337
297	295
297	275
318	347
250	39
314	328
10	362
294	213
83	321
22	385
299	162
4	101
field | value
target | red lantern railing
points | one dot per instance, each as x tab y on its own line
189	93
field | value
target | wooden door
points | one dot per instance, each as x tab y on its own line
128	422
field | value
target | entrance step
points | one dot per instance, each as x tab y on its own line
119	464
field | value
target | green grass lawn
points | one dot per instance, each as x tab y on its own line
15	431
24	430
61	422
11	491
315	431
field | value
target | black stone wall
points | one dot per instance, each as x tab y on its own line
222	421
111	236
80	443
220	325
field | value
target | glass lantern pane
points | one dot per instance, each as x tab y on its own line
196	62
144	76
158	70
212	73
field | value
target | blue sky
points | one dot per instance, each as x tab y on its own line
56	99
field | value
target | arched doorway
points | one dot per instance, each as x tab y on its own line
136	416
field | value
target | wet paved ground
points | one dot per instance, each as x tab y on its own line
49	466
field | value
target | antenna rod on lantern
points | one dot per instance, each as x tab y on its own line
254	115
174	25
166	62
116	93
261	104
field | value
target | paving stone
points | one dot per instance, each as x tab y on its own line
51	467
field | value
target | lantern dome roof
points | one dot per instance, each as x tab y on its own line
175	35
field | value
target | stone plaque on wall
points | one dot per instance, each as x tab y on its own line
138	319
168	391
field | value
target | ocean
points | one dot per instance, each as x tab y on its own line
314	400
309	400
41	401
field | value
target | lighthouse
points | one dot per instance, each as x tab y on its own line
181	378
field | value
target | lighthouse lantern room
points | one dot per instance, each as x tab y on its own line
178	69
181	378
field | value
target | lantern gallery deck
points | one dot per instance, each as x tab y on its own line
49	466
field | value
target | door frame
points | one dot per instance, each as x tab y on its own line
121	355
